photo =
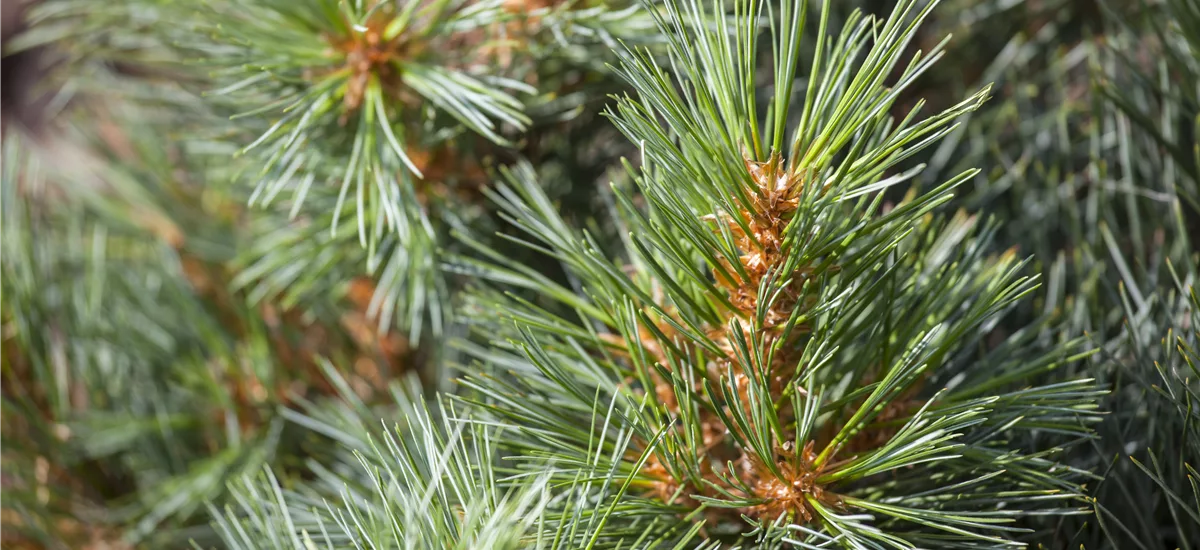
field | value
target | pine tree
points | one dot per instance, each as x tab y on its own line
848	283
400	104
777	356
792	354
159	331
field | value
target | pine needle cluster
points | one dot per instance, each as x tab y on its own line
335	274
158	331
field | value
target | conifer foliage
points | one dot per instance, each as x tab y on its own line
786	355
361	115
158	332
332	274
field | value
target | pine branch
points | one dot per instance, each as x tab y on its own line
434	483
772	343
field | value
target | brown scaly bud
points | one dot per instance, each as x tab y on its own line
526	6
759	237
790	493
791	486
366	53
